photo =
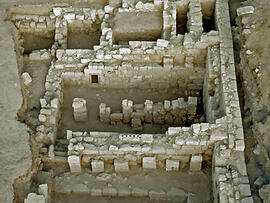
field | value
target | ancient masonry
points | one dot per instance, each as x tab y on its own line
186	46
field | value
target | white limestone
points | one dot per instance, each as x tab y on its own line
195	163
74	164
27	80
79	109
34	198
97	166
172	60
172	165
149	162
120	165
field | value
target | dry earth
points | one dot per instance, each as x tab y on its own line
15	154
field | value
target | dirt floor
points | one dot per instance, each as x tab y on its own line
15	154
253	73
112	98
197	184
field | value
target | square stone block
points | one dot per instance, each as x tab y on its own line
97	165
120	165
74	164
196	163
172	165
149	163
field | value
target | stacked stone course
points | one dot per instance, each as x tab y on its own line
175	112
192	62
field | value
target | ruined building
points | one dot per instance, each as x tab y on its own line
135	100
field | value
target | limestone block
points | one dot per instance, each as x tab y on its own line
116	118
69	16
74	164
159	149
55	103
162	43
79	109
136	124
240	145
130	148
172	165
104	113
167	105
120	165
41	25
173	130
127	109
32	24
148	105
51	152
44	190
34	198
26	78
147	138
247	200
245	10
244	190
57	11
42	118
34	56
149	162
124	51
97	165
138	115
69	134
196	163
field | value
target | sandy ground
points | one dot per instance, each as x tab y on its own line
15	154
112	98
197	184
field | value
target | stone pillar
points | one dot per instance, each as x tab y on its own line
191	108
136	124
97	165
120	165
172	165
74	164
148	111
116	118
182	110
149	162
127	109
158	113
79	109
195	24
104	113
196	163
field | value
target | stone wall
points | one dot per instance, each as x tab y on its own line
190	61
211	90
230	181
173	113
174	150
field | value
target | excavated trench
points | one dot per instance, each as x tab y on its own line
55	174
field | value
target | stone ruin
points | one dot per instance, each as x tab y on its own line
173	64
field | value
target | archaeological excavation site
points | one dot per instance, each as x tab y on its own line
142	101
